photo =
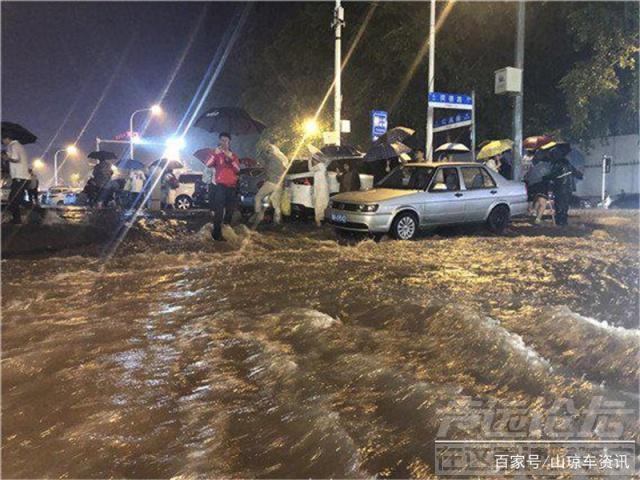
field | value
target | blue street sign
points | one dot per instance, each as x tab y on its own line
450	100
459	118
379	124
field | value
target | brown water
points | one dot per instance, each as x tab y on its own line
287	354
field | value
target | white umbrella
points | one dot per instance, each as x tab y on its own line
452	147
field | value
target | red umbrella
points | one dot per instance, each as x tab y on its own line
204	154
535	142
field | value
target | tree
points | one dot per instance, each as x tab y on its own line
602	87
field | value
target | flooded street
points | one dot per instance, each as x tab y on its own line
285	353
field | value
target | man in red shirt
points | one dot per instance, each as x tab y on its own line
223	197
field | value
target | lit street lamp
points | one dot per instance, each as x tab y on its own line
155	110
70	150
38	164
311	127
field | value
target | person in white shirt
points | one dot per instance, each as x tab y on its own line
19	171
133	187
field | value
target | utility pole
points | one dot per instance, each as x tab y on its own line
338	23
431	80
518	107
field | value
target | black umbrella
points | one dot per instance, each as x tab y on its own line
414	142
17	132
102	155
537	172
555	150
384	151
396	134
576	158
130	164
233	120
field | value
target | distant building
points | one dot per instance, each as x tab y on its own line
625	168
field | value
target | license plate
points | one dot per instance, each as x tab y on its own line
339	218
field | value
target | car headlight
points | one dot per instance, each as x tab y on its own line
367	208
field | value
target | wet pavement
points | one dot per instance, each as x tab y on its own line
284	353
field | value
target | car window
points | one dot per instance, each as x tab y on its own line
476	178
335	165
298	166
189	178
407	178
445	180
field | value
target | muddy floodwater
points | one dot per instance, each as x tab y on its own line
285	353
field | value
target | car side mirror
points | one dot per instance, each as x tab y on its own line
438	187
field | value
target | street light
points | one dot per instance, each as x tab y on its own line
69	150
176	143
38	164
173	147
155	110
310	127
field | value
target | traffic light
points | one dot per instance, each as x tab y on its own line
607	164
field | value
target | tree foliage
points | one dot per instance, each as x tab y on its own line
602	87
580	66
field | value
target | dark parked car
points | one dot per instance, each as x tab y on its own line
626	200
580	202
194	193
249	182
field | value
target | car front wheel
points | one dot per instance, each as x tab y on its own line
498	219
183	202
404	226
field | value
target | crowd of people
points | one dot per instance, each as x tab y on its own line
223	167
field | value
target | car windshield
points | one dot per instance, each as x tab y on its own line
407	177
298	166
190	178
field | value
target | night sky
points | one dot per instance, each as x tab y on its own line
60	59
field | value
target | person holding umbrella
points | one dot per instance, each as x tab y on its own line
562	177
223	200
18	166
102	174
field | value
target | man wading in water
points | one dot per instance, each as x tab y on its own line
223	198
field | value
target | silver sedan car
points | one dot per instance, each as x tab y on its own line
422	195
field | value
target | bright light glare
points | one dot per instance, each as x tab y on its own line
38	164
156	110
175	143
72	150
311	127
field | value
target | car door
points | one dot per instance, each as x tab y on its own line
480	192
444	201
